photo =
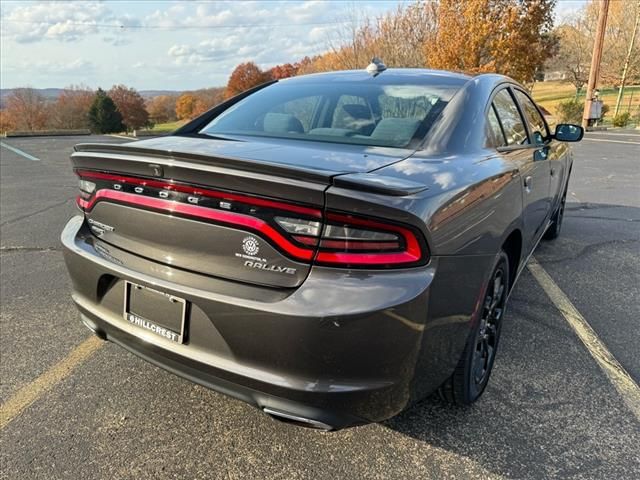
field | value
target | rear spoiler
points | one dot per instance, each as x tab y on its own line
381	184
91	153
128	152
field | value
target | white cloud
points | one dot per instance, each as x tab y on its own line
49	67
63	21
286	36
171	44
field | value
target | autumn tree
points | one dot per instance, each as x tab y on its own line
620	24
207	98
397	37
71	109
104	116
27	109
285	70
131	106
402	34
244	76
320	63
162	109
511	37
574	53
6	122
187	106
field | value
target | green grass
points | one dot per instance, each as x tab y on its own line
168	127
550	94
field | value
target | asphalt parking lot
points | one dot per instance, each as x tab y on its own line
95	411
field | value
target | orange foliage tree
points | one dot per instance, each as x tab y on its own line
187	106
162	108
285	70
27	109
131	106
71	109
511	37
244	76
6	122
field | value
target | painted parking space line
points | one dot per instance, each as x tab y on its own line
19	152
31	392
610	141
616	373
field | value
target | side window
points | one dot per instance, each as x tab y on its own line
536	123
495	136
510	118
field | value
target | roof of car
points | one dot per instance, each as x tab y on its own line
391	75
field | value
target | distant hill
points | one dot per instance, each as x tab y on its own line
45	92
53	93
157	93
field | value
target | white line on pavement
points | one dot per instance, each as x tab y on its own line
616	373
19	152
610	141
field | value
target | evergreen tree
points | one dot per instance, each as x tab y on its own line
104	117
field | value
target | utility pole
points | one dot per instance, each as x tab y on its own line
623	80
596	58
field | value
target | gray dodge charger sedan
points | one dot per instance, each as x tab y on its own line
330	248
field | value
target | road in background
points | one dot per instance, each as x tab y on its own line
549	411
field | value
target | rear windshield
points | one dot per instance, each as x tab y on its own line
356	113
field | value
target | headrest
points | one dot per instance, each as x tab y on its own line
282	123
396	130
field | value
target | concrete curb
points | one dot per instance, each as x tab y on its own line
47	133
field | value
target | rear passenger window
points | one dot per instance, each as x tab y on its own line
510	118
536	123
494	130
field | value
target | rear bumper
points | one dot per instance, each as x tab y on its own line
344	348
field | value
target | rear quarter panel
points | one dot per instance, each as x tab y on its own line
472	204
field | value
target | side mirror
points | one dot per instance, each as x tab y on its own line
566	132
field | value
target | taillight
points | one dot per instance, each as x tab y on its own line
86	188
298	231
350	241
359	242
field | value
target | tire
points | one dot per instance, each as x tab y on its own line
472	373
553	231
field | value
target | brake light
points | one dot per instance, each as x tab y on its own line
298	231
351	241
355	241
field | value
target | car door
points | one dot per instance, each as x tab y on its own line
533	164
555	151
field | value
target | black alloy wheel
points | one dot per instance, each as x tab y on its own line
474	368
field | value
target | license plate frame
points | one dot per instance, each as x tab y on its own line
171	328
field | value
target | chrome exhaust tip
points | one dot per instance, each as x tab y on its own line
297	420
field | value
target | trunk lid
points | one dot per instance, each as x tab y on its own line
213	206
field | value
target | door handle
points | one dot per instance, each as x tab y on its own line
528	181
553	171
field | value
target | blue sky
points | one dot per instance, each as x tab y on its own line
175	45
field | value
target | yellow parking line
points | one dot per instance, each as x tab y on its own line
34	390
616	373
